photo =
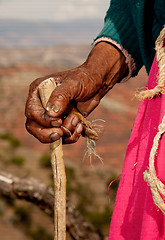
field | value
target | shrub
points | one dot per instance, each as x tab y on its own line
100	220
70	173
22	216
8	200
41	234
85	198
115	182
18	160
45	161
2	208
14	142
70	176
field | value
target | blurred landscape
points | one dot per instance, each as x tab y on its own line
29	51
28	33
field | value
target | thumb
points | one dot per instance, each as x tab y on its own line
60	100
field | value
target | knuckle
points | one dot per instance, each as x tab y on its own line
44	117
62	97
34	85
27	113
42	138
28	126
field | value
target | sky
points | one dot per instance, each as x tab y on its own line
53	10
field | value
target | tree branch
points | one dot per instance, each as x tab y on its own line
42	196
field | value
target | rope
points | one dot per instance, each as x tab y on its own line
91	136
89	131
156	186
160	56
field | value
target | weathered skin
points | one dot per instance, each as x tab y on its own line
81	87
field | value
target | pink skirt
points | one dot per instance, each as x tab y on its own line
135	215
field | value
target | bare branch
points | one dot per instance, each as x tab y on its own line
42	196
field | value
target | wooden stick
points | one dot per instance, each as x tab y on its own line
58	166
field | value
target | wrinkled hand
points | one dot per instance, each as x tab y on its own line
82	88
45	125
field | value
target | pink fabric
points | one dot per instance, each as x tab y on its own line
135	216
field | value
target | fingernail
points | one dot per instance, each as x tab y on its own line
53	107
75	121
79	128
54	136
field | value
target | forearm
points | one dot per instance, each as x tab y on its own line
106	64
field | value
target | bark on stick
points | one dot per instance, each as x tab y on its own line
58	166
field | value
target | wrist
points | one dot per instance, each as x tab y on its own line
106	64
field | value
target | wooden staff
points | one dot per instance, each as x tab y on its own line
58	167
45	90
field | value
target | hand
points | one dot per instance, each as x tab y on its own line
82	87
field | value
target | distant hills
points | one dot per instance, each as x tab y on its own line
15	33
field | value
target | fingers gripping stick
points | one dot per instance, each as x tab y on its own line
57	162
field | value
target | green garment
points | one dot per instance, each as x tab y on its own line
135	25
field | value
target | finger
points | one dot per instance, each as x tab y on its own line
35	111
75	136
70	124
60	98
44	135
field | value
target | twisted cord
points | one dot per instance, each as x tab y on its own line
160	56
156	186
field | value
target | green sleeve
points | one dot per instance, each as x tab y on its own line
120	26
134	26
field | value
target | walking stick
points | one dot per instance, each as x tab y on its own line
58	167
57	162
